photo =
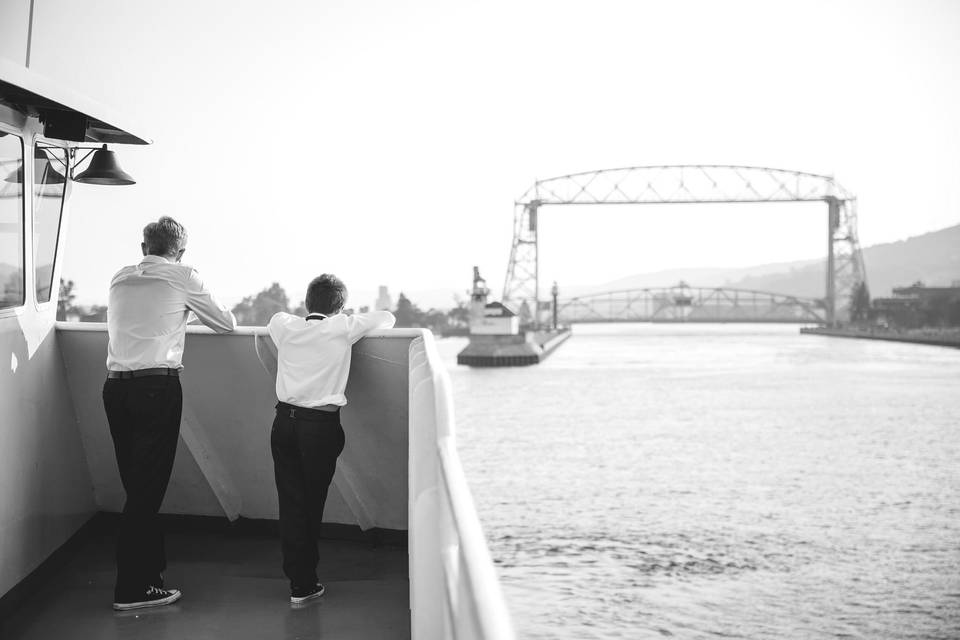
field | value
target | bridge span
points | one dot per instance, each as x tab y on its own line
683	303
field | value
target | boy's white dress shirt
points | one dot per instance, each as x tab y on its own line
313	354
147	314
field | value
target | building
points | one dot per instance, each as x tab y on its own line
496	320
919	306
490	318
384	301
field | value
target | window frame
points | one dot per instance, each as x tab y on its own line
54	281
18	309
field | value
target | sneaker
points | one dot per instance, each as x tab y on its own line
154	597
299	596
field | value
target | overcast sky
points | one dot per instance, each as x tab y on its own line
387	141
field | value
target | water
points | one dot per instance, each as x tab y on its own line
705	481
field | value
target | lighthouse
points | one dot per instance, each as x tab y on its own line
495	336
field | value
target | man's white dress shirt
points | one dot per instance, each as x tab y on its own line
148	311
313	354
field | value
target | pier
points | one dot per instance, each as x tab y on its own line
496	337
949	337
512	351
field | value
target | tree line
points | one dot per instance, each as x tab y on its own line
68	309
257	309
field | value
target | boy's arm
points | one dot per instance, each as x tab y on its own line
276	325
360	324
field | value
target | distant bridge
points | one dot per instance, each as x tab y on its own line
683	303
846	274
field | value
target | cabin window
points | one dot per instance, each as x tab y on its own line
49	177
11	222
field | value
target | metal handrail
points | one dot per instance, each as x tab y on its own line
62	325
475	557
450	560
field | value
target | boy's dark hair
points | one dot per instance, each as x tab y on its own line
326	294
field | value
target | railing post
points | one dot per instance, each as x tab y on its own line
454	591
833	221
427	610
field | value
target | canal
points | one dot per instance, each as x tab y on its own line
742	481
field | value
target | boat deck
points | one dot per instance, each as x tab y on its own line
233	587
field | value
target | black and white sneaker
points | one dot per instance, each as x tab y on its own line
154	597
299	596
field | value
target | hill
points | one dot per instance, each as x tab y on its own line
700	277
933	258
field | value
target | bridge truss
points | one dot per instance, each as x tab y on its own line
689	184
683	303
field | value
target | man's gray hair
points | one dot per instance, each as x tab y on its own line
165	237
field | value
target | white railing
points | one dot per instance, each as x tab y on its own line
454	591
239	331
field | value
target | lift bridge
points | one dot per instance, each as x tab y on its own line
689	184
683	303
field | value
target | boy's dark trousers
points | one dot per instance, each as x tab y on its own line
305	445
144	416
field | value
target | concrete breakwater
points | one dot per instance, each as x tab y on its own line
938	337
519	350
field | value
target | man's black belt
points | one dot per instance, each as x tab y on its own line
142	373
303	413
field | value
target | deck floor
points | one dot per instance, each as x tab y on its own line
233	587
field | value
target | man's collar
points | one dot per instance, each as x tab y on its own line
316	316
154	259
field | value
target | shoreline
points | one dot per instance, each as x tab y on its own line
932	337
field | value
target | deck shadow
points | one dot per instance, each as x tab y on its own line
233	587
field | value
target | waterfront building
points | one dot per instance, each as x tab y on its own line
496	339
384	301
918	306
490	318
495	319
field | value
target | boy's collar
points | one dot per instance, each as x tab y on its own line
316	316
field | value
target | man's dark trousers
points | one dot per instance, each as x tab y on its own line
305	445
144	416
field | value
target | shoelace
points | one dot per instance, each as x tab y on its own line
155	591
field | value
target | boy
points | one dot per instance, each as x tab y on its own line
313	362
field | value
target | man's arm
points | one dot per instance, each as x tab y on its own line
277	324
208	310
360	324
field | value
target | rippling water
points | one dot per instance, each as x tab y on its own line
734	481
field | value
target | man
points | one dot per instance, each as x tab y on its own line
147	315
313	362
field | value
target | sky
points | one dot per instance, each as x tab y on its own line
387	141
